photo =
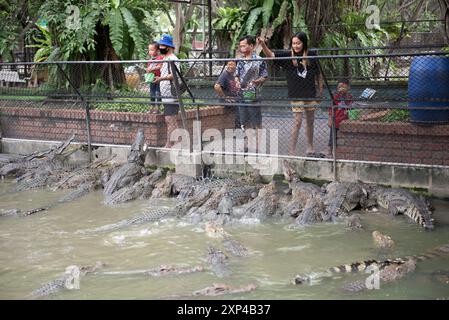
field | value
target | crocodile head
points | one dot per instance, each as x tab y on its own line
289	170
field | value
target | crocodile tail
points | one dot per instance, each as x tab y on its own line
354	267
421	216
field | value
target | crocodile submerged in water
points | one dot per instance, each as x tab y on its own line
234	247
382	240
218	289
131	171
161	271
81	191
440	251
150	215
402	201
390	273
218	262
353	223
61	283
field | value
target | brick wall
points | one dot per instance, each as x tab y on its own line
106	127
393	142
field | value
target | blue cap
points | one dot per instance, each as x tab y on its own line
167	40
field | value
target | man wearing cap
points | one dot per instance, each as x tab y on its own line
171	106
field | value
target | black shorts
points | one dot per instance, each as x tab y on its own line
171	109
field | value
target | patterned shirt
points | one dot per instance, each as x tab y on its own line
250	70
166	85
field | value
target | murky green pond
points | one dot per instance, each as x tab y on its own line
37	249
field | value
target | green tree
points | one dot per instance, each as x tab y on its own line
17	17
95	30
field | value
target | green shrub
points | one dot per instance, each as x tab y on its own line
396	115
120	107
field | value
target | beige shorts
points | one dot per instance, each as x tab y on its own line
298	106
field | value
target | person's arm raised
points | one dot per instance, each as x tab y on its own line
268	53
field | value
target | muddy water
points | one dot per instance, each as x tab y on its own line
37	249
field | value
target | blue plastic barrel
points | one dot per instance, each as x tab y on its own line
429	80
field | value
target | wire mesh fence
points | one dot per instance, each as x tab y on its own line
379	107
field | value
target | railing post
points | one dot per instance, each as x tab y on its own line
174	72
86	107
334	138
334	142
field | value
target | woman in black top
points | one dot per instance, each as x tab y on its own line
303	77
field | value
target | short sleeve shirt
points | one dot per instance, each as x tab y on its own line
248	71
300	79
157	73
165	85
227	82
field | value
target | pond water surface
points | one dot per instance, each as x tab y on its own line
39	248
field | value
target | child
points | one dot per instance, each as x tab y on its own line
155	69
342	99
227	87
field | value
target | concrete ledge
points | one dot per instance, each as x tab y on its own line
23	147
434	179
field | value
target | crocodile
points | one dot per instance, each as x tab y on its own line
382	241
214	208
188	206
343	197
263	206
236	196
312	212
182	185
234	247
440	251
440	276
213	230
218	262
390	273
218	289
151	215
36	159
58	284
398	201
90	172
353	223
82	190
161	271
171	270
131	171
142	189
301	191
43	174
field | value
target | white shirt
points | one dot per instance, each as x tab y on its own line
165	85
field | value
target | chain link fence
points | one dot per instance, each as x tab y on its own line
385	107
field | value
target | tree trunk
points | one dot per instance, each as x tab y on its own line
182	16
112	74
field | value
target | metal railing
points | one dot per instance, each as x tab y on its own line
388	107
